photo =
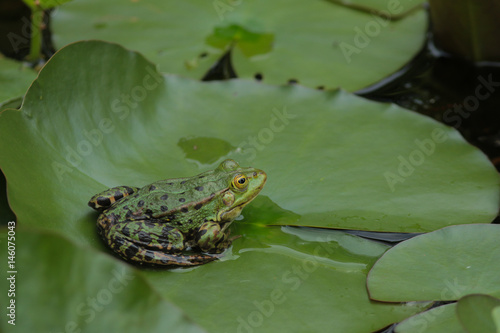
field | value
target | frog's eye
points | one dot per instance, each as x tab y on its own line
240	181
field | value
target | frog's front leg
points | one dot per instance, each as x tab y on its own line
213	237
147	242
105	199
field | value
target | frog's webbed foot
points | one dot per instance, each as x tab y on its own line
160	245
234	237
214	237
105	199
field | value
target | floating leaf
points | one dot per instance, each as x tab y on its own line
436	320
442	265
113	120
476	313
271	272
317	43
334	160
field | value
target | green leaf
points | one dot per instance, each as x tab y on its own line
437	320
325	44
65	288
442	265
496	318
272	273
476	313
99	115
333	159
258	286
14	80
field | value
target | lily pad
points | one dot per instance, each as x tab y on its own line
260	285
496	317
317	43
436	320
442	265
99	116
272	272
476	313
65	288
334	160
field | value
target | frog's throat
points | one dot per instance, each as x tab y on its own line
231	214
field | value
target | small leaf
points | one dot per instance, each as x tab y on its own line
436	320
442	265
322	151
476	313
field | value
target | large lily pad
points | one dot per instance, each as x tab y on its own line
99	116
334	160
317	43
442	265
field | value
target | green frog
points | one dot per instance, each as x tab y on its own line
181	221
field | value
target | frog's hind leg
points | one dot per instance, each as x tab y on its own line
160	245
105	199
133	252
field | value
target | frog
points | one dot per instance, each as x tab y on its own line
177	221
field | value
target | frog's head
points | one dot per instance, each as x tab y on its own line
243	185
